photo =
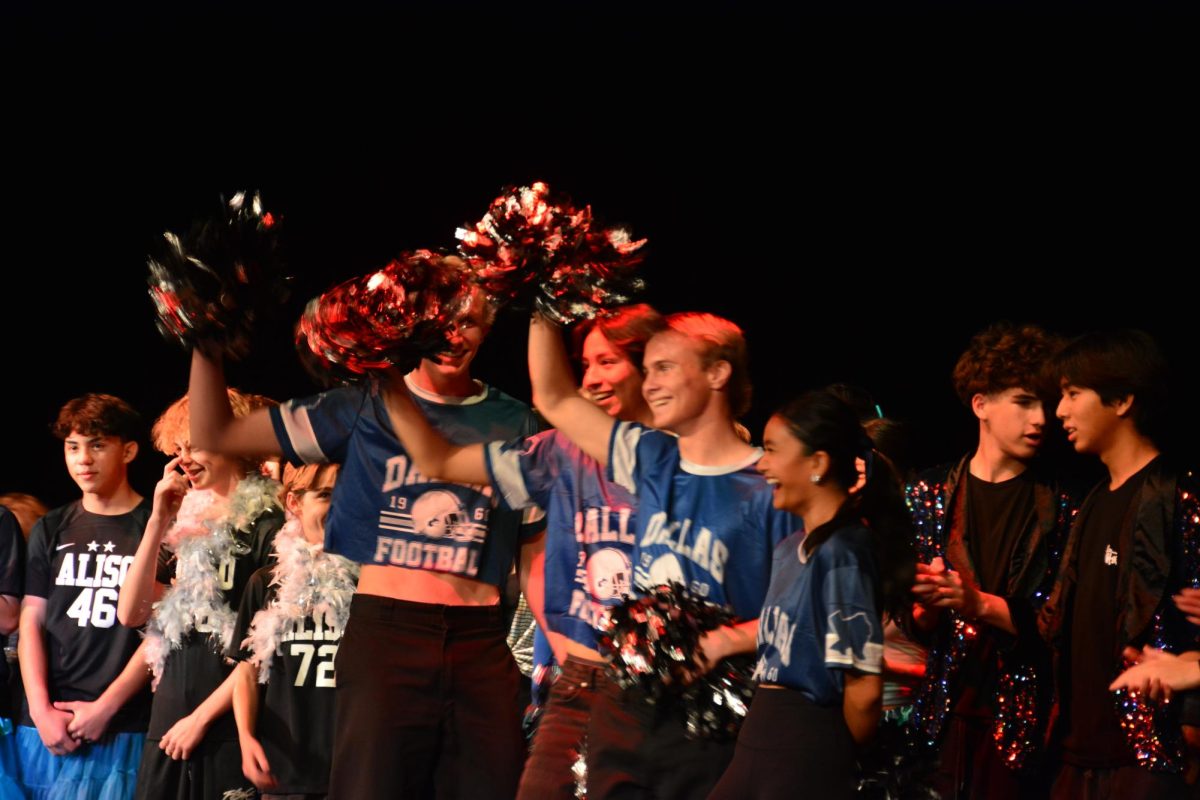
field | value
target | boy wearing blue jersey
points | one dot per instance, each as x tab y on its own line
87	698
426	685
591	525
704	519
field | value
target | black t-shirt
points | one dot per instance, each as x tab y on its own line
1000	516
192	672
295	719
1094	738
12	581
77	562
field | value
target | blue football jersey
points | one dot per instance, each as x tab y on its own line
383	510
820	617
710	528
590	524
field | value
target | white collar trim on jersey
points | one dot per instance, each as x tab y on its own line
702	469
445	400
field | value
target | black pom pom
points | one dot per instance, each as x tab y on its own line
213	284
651	643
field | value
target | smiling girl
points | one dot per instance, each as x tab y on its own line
820	634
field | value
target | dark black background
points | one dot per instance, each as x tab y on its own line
860	187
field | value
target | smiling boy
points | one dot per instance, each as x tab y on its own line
426	685
87	700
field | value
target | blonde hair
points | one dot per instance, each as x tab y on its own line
719	340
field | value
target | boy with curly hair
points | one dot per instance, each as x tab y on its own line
987	529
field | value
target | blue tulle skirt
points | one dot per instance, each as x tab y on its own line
105	770
10	764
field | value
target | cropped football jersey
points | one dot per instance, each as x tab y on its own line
383	510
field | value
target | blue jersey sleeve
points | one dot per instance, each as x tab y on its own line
636	453
316	430
525	470
853	631
623	455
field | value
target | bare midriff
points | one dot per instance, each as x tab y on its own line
424	586
574	648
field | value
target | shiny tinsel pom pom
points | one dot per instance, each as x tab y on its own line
536	250
393	317
652	645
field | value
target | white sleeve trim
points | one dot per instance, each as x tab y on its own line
506	473
622	454
301	434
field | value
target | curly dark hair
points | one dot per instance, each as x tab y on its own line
1005	356
98	415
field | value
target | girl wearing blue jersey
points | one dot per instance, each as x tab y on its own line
590	525
704	519
820	635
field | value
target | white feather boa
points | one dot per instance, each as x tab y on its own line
204	534
309	583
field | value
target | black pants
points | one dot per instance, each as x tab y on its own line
426	704
562	732
1119	783
214	769
789	748
638	750
970	766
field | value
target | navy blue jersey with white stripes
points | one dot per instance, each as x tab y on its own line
710	528
820	617
383	510
590	522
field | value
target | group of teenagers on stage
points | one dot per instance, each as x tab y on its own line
960	634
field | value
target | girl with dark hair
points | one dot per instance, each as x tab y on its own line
820	634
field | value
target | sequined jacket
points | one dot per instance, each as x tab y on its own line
1021	705
1162	539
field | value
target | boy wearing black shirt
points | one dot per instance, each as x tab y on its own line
986	531
87	699
1132	546
288	631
